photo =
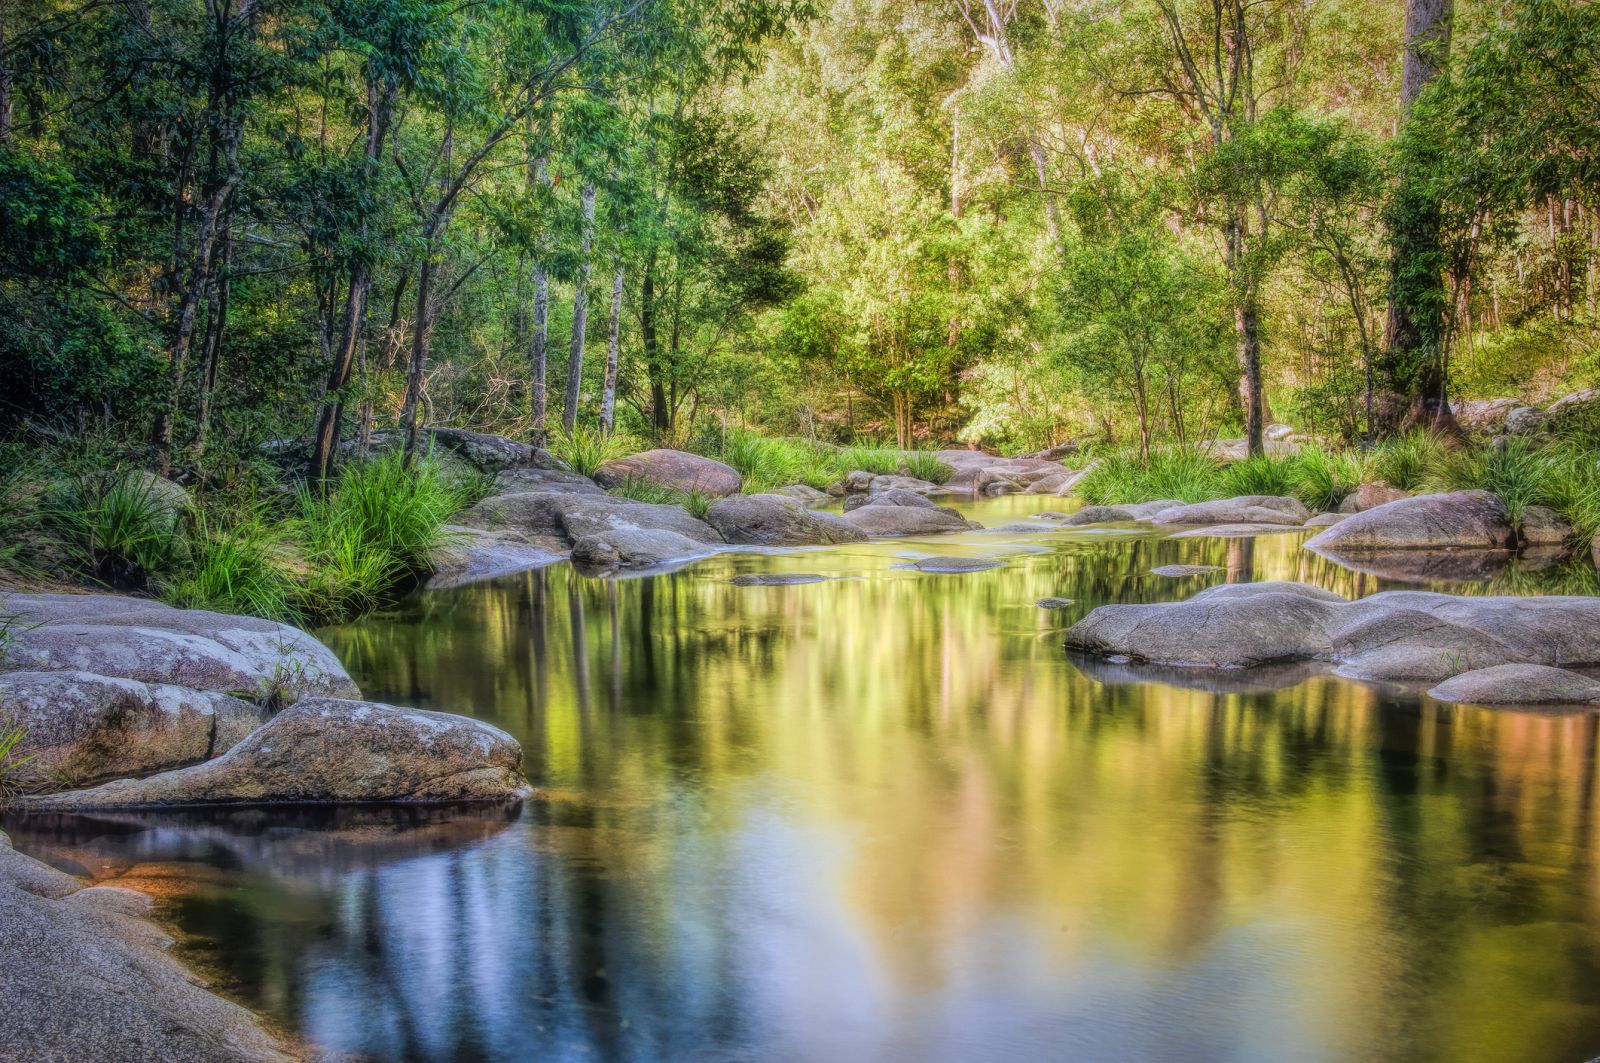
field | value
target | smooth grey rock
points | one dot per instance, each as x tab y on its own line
893	497
1371	496
472	554
87	978
1245	509
858	481
1484	415
1525	421
1326	520
108	635
1474	520
672	468
806	494
1053	603
955	565
1049	485
1545	527
1221	627
490	453
775	520
1519	684
636	548
330	750
562	519
879	485
551	481
1412	645
1184	570
897	520
84	728
776	579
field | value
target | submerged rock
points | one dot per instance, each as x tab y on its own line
1519	684
672	468
1053	603
774	520
332	750
472	554
1184	570
84	728
562	519
1472	520
776	579
1245	509
893	497
954	565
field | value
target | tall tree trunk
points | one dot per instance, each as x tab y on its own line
608	391
660	413
216	324
325	441
538	333
580	315
1414	330
421	338
1246	331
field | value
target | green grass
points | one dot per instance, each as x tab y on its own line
12	735
585	449
1573	490
925	466
1260	474
641	490
880	461
1518	472
1180	473
236	568
1406	461
119	530
374	528
1322	480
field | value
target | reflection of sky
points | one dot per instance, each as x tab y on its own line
884	818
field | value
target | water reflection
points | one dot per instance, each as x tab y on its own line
883	817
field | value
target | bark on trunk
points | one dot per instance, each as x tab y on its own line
538	335
608	392
580	316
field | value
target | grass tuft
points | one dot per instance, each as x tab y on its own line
236	568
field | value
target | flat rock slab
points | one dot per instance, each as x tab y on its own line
672	468
553	481
472	554
1396	635
86	977
332	751
1519	684
776	520
637	548
954	565
1245	509
1184	570
112	635
1466	520
561	518
776	579
891	521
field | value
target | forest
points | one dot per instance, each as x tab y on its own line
245	240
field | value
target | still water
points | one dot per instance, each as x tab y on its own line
885	818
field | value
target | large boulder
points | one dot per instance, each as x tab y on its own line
1245	509
329	750
1545	527
1485	415
87	977
110	635
1230	626
806	494
550	481
490	453
672	468
563	519
1474	520
471	554
892	497
636	548
84	728
1371	496
896	520
1519	684
1114	514
1411	645
774	520
879	485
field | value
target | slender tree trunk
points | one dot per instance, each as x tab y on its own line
1246	331
325	441
538	334
1414	330
216	324
608	391
580	315
660	412
421	338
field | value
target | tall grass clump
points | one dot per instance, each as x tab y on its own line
880	461
373	529
585	449
121	528
1517	471
1573	490
1181	473
26	538
1406	461
237	568
762	463
926	466
1260	474
1323	480
12	735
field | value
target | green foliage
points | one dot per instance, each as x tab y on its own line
12	735
1323	480
1517	471
1573	490
1260	474
377	526
1406	461
925	466
1180	473
880	461
120	528
585	449
236	568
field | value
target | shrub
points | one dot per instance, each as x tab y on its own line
235	569
641	490
925	466
25	535
120	529
1520	473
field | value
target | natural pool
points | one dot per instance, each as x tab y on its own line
884	817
